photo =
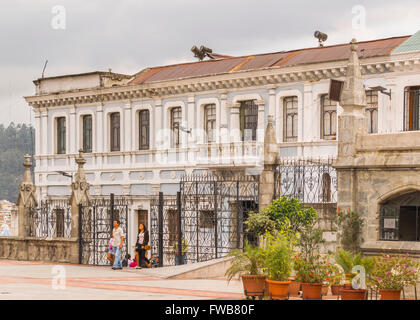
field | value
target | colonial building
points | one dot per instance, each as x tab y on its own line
141	133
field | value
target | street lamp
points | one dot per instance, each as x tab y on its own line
65	174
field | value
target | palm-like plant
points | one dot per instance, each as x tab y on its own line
246	262
347	260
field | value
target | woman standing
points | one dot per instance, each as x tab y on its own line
142	242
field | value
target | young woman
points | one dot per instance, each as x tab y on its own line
142	242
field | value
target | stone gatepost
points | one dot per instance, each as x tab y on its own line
266	189
26	199
351	124
79	194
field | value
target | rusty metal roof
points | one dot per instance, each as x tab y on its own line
366	49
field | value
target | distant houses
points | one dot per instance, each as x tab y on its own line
7	212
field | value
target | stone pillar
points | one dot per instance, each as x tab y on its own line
351	124
26	199
79	194
271	151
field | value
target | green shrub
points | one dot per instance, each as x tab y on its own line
277	257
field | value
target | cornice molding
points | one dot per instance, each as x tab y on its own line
221	83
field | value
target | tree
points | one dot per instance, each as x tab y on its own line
283	214
15	142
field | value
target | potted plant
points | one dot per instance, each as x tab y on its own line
277	265
310	270
392	273
347	260
247	264
312	276
336	280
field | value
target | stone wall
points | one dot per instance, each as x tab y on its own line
35	249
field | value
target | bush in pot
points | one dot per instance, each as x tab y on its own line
248	265
277	264
310	269
347	261
391	273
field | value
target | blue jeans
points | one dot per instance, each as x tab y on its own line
117	261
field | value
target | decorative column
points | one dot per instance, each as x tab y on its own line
71	134
26	202
272	105
235	133
190	121
271	152
79	194
261	120
37	131
351	124
222	114
44	139
309	112
127	127
158	124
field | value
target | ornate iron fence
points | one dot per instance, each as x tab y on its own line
309	180
52	219
208	216
95	228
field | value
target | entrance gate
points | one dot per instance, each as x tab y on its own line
95	228
208	216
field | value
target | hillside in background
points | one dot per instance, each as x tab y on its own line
15	142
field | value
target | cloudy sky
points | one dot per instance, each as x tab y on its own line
129	35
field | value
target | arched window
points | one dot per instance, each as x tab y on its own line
328	118
176	117
290	106
115	131
144	129
326	187
248	120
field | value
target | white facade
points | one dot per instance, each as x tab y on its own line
142	174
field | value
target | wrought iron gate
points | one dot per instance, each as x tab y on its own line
95	228
208	216
309	180
51	219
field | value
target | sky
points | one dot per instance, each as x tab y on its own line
77	36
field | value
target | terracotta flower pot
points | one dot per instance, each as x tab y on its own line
388	294
254	285
335	289
324	290
294	288
350	294
311	291
278	289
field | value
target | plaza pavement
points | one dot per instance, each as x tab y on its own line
28	280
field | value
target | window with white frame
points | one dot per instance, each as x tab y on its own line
372	110
210	122
115	131
290	122
87	133
328	118
61	135
144	129
248	120
176	118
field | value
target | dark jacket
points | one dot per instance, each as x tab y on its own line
145	239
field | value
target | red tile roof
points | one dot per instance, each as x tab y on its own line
367	49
